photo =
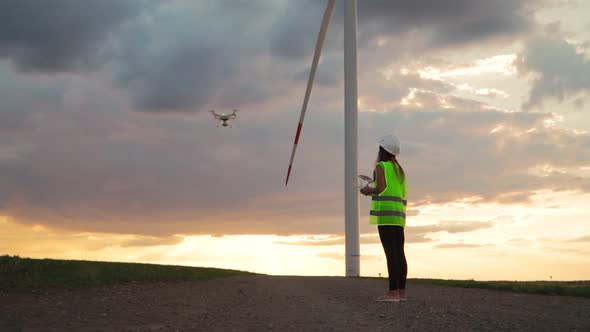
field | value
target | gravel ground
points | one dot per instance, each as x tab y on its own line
265	303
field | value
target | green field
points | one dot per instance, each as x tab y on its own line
18	274
567	288
22	274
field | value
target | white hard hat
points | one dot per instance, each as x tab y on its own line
391	144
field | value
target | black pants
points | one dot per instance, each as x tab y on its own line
392	239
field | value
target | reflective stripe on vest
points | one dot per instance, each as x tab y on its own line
389	207
390	198
388	214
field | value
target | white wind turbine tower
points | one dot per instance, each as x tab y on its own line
351	202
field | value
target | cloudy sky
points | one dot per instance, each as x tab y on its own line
108	152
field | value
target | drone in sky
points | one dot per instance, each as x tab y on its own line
223	117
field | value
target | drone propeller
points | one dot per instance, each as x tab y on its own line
215	115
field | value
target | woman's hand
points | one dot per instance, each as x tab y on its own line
366	190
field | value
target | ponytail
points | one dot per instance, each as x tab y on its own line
383	155
399	171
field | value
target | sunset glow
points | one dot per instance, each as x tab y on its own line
108	150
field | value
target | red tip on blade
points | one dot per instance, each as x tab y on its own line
288	173
299	126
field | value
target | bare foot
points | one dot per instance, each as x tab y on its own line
391	296
402	295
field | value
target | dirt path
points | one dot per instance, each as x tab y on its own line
262	303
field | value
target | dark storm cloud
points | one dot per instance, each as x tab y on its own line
174	62
19	97
451	22
191	56
295	30
329	73
439	24
138	174
561	71
188	78
59	35
173	56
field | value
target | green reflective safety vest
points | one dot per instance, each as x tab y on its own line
389	207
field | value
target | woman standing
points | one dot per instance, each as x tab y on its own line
388	212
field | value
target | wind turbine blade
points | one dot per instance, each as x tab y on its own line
314	66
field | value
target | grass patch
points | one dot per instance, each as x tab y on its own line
22	274
18	274
568	288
